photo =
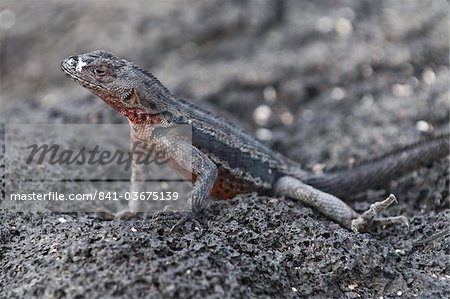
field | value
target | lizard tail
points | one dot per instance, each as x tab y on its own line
379	171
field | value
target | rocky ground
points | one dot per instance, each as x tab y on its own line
323	82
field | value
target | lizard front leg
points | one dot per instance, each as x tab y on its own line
335	208
205	172
137	179
191	159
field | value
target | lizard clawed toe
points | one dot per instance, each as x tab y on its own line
367	219
181	217
165	215
184	219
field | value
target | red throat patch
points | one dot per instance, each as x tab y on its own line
136	116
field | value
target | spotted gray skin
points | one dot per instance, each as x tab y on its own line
223	160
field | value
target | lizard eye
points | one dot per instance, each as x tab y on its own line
101	71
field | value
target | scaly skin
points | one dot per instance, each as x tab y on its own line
223	160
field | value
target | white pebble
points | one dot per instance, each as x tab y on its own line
287	118
318	168
428	76
164	185
423	126
263	134
270	94
344	27
401	90
338	93
324	24
262	114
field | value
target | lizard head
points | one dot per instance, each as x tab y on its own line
100	72
129	89
118	82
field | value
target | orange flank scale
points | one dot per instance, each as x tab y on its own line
227	185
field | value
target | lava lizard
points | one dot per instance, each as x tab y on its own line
224	161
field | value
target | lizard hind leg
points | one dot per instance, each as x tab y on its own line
334	208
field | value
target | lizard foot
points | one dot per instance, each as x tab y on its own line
366	220
182	218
